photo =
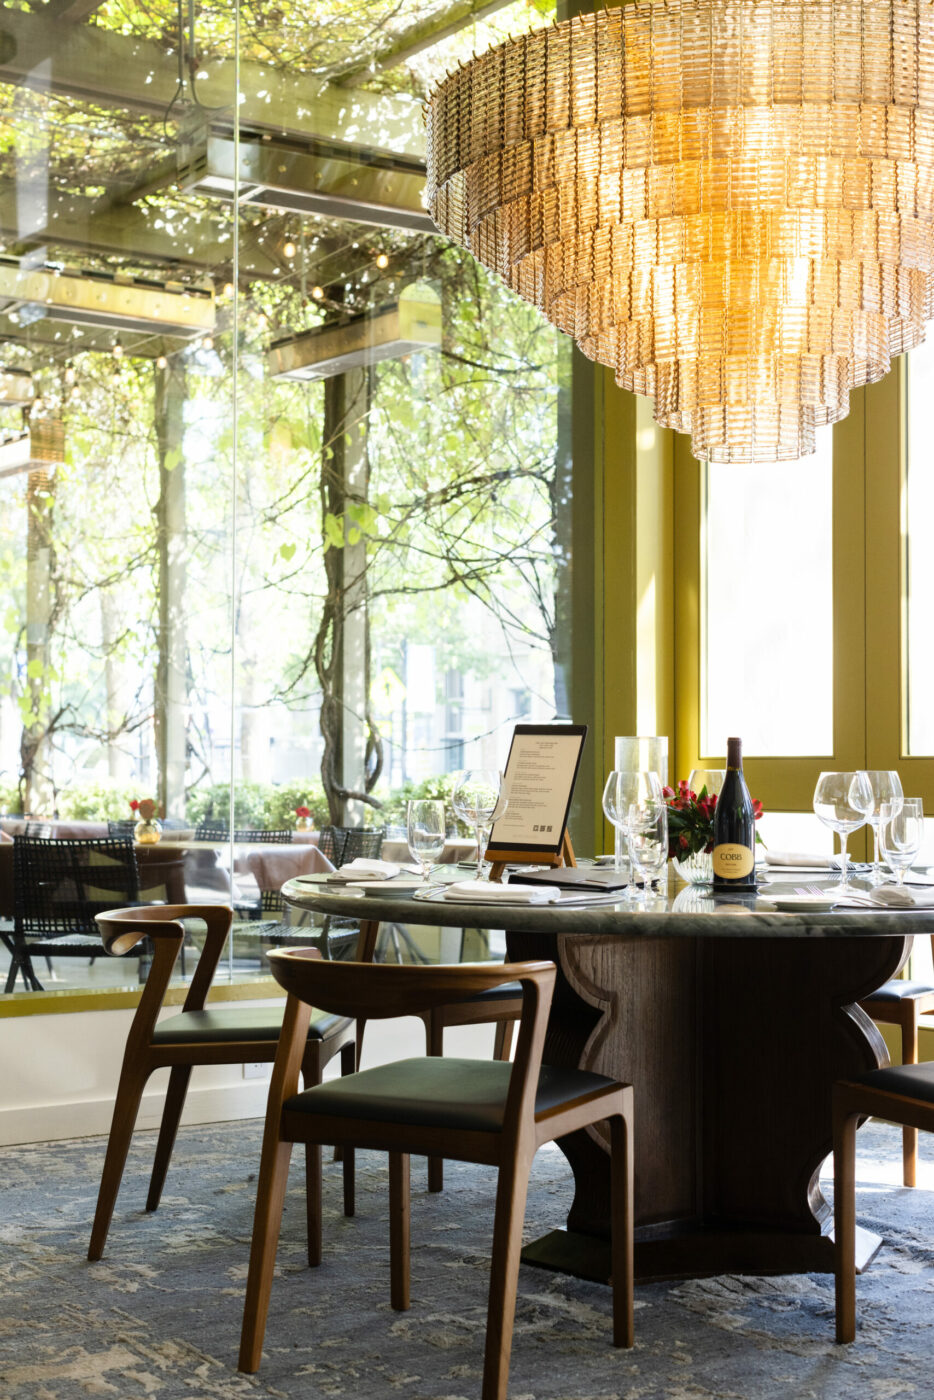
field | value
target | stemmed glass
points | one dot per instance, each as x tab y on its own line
626	789
478	799
425	831
901	831
647	829
709	778
843	801
886	787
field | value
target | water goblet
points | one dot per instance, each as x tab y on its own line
901	831
709	780
623	789
647	829
478	798
843	801
886	787
425	831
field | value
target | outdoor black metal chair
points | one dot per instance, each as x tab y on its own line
58	888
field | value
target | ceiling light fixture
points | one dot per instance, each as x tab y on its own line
730	204
16	389
108	303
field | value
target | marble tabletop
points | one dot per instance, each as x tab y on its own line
684	911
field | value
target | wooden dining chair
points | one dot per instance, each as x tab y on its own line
198	1035
900	1094
484	1111
900	1002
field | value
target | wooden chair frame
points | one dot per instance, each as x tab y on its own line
851	1103
904	1012
365	991
121	930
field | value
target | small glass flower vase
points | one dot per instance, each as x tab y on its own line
304	824
147	833
696	869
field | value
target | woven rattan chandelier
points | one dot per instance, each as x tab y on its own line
729	202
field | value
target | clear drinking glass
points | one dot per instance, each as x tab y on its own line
478	799
843	801
709	778
647	830
886	787
622	790
425	831
901	831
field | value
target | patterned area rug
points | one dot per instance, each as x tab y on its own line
158	1318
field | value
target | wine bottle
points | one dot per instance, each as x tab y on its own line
734	827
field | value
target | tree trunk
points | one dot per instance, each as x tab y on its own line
169	706
352	758
36	786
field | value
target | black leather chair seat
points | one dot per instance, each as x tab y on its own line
443	1093
507	992
912	1081
901	989
222	1023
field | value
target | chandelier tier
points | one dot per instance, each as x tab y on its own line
730	204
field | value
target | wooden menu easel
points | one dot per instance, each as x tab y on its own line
565	856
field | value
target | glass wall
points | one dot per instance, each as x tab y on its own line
278	507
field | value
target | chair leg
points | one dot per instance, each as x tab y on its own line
126	1107
502	1041
399	1233
168	1129
434	1035
910	1057
844	1214
348	1157
511	1193
623	1182
270	1195
313	1201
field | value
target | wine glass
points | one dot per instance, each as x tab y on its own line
425	831
843	801
901	831
622	790
647	830
709	778
478	799
886	787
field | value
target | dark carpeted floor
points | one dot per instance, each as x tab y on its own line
159	1317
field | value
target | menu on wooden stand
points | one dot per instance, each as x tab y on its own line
539	779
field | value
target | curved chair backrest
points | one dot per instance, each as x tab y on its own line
122	929
380	990
59	886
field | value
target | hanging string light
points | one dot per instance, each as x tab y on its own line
729	202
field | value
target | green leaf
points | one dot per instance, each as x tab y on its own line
334	531
287	551
35	669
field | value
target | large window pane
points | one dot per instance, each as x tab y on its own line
767	606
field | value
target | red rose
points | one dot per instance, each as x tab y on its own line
134	805
683	841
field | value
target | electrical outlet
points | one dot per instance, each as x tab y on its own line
257	1071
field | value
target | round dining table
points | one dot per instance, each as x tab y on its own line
732	1021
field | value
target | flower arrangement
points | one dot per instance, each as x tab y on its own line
690	820
145	810
303	811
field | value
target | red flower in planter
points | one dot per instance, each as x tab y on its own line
134	805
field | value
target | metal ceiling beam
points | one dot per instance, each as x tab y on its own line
90	62
424	34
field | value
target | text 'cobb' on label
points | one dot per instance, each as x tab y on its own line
732	861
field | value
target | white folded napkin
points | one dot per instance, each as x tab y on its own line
805	862
898	897
363	869
481	892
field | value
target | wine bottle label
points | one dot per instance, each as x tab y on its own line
733	862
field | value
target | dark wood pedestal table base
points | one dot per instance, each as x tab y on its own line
731	1024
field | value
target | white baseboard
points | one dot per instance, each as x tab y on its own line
87	1117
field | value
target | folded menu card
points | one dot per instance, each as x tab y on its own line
480	892
363	869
